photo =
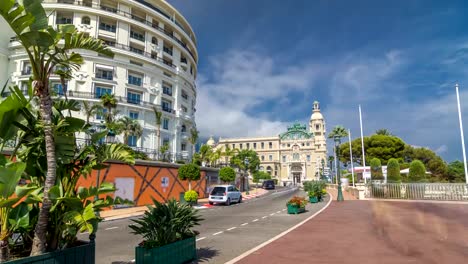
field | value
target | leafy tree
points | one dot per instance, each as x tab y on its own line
456	171
376	169
238	160
215	156
158	120
393	171
194	133
261	175
48	50
228	153
435	164
109	102
130	127
383	132
227	174
417	171
189	172
205	153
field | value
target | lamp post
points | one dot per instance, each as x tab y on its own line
246	164
330	171
338	176
323	170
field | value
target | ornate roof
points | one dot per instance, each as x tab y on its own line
296	131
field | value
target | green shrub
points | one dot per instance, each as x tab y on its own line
417	171
227	174
191	196
166	223
376	169
393	171
315	188
189	172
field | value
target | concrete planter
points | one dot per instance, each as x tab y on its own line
292	209
178	252
83	254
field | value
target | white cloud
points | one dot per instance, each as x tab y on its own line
241	81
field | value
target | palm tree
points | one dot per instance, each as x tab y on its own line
158	118
46	48
229	153
215	156
109	102
383	131
337	133
194	133
205	153
130	127
89	110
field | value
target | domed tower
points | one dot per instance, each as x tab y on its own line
211	142
317	127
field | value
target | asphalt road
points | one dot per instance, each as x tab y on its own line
225	233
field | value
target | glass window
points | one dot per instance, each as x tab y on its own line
270	145
240	146
135	79
284	158
137	35
263	158
255	146
100	91
133	115
59	89
234	146
270	157
262	145
183	128
154	40
184	95
248	145
183	147
296	156
165	123
132	141
308	158
104	74
85	20
166	106
107	27
133	98
167	89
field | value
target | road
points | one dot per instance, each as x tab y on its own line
225	233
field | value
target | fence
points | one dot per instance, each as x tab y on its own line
418	191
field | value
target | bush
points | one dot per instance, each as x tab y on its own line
227	174
417	171
376	169
190	172
315	188
191	197
297	201
166	223
393	171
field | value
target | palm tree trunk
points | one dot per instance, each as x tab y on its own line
158	136
39	242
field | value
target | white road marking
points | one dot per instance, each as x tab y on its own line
272	214
201	238
217	233
255	220
264	216
229	229
110	228
244	224
284	209
278	212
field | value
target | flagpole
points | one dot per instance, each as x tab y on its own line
461	133
351	154
362	144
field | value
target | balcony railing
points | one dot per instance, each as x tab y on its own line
130	15
167	50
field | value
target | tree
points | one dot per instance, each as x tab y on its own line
456	171
227	174
376	169
417	171
193	138
215	156
393	171
130	127
158	120
205	153
47	48
89	110
261	175
163	150
331	159
189	172
434	164
238	160
228	153
383	132
109	102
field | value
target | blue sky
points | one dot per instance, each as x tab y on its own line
263	63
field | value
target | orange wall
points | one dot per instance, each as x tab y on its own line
148	177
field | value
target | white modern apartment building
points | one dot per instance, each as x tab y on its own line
155	64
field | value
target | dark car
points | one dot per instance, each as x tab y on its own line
268	185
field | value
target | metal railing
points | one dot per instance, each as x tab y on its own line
139	51
419	191
132	16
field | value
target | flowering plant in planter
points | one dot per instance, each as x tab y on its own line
297	202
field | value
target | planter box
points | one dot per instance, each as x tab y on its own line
82	254
178	252
313	199
295	209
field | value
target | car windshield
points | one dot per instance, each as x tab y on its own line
218	191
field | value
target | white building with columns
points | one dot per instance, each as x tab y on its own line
155	65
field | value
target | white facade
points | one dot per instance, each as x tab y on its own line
155	64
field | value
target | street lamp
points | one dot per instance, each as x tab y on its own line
337	139
323	169
246	164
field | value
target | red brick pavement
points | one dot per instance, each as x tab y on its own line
375	232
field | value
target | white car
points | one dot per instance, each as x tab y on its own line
225	194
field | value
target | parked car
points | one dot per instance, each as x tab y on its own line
268	185
225	194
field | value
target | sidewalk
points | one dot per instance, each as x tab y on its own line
115	214
357	231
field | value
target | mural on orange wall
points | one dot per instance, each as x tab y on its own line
144	180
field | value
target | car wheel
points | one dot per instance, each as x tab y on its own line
228	202
211	203
240	199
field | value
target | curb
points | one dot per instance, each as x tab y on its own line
247	253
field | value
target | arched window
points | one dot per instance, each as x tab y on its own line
261	168
269	170
183	128
85	20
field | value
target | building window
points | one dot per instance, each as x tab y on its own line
59	89
270	145
101	113
166	123
168	50
167	89
133	115
165	141
284	158
303	144
154	40
184	109
317	127
262	145
132	141
255	145
100	91
308	144
183	147
240	145
137	35
27	69
104	74
296	156
183	129
308	158
184	95
270	157
234	146
133	98
85	20
248	145
263	158
166	106
135	79
63	19
289	145
107	27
